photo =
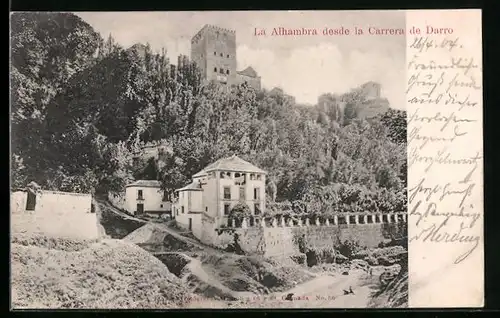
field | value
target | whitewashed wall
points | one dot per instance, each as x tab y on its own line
60	214
152	199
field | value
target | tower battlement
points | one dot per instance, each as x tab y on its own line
213	49
217	28
209	27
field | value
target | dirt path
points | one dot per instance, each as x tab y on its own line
328	291
118	212
177	234
324	291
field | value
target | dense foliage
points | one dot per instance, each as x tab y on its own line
82	106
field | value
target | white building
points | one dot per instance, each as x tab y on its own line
146	196
54	213
216	189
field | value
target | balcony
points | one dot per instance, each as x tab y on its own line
140	198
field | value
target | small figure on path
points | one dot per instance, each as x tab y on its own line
289	297
350	290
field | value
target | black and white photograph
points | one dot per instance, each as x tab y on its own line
219	159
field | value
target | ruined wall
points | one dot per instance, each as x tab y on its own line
371	108
254	82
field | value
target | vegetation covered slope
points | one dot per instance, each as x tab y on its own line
82	105
64	273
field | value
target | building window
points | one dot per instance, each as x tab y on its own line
227	208
256	209
227	193
30	201
161	205
256	193
139	195
215	53
228	56
240	179
182	210
206	209
227	72
221	55
166	196
242	194
215	69
221	71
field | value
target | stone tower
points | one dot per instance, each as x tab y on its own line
214	51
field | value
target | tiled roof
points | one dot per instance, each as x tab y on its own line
200	174
249	71
145	183
233	163
194	186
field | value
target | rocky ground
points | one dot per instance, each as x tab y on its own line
153	265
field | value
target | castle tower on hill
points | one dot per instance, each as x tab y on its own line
213	49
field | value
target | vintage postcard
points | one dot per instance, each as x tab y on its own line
246	159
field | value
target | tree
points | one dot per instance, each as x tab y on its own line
240	210
48	49
83	106
396	121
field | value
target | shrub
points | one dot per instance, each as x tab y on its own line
349	248
239	211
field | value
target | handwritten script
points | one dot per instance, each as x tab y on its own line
445	152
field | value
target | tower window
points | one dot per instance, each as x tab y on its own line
227	193
227	72
215	69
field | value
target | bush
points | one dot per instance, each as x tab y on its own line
239	211
349	248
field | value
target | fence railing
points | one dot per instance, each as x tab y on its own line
299	221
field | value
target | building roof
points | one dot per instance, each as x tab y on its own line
200	174
145	183
193	186
249	71
233	163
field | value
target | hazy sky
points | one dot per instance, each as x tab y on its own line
304	66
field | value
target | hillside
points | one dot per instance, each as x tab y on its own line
156	266
64	273
90	104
